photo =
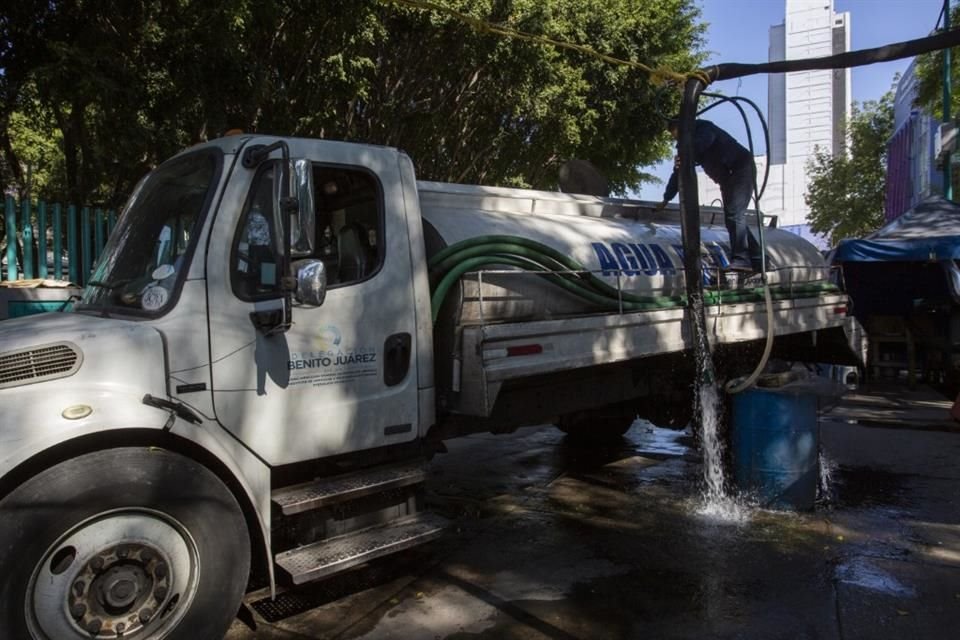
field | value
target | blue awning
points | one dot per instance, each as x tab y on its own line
928	232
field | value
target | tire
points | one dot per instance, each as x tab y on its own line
600	430
140	537
670	416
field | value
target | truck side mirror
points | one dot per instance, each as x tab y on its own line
311	283
303	230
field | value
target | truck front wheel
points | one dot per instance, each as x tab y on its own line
129	543
602	430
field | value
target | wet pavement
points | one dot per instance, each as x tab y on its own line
554	539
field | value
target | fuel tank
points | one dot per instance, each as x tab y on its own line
625	243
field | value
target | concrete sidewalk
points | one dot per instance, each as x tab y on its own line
555	540
892	403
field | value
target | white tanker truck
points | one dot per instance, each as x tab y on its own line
281	332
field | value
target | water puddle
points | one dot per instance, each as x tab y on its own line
859	572
656	442
868	487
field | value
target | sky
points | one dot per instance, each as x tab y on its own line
738	31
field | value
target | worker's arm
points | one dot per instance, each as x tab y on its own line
704	135
671	191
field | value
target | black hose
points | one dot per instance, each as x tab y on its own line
895	51
757	191
766	134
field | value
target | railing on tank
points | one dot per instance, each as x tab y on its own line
789	284
51	240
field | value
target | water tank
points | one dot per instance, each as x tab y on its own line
625	242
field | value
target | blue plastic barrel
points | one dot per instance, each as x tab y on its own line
776	442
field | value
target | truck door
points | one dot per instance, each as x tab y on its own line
342	378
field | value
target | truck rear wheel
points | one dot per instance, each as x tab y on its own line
600	429
130	542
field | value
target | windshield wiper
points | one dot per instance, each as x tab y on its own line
109	286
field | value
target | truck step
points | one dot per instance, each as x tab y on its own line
326	491
325	558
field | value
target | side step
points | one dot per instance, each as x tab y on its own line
327	491
322	559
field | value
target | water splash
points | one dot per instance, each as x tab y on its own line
825	486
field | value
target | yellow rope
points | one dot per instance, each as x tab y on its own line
488	27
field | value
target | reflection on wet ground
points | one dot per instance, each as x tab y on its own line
865	486
861	572
653	441
555	539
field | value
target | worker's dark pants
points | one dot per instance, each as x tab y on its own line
737	191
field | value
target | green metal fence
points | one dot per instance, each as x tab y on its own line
55	241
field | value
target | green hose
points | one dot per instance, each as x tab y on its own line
551	262
600	302
445	258
440	269
779	292
449	265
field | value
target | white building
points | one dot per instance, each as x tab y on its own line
806	110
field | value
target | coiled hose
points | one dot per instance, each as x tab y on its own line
450	264
733	386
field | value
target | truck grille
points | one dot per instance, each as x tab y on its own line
38	364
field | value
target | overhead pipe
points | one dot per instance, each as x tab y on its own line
689	199
859	58
690	233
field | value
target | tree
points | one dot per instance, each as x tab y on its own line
929	74
127	84
846	192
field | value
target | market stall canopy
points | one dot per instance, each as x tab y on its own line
928	232
908	266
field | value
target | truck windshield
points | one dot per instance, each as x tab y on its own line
147	255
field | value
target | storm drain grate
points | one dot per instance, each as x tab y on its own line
309	597
38	364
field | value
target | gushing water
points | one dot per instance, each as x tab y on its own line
712	447
715	503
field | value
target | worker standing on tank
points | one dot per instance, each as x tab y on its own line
731	166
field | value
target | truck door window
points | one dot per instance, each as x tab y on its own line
349	231
254	260
349	223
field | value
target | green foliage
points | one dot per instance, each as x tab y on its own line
117	86
36	141
846	192
929	74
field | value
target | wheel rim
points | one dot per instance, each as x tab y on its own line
129	573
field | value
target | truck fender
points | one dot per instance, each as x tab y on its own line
250	475
34	442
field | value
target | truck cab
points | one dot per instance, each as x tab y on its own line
196	364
